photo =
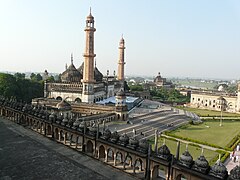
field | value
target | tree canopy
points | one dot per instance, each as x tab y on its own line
19	87
169	95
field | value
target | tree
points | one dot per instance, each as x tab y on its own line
50	79
172	95
19	75
136	88
8	86
35	77
22	89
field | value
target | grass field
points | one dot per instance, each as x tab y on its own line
210	132
194	151
205	112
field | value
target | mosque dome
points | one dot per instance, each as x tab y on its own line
201	162
52	117
186	158
98	76
235	173
82	125
124	138
107	134
143	144
93	129
121	92
133	141
114	136
76	123
71	74
218	169
164	150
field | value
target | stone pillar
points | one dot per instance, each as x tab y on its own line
156	141
76	142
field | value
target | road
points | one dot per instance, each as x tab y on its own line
144	122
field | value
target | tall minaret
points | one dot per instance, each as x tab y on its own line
120	75
88	70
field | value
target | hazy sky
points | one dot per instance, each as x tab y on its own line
179	38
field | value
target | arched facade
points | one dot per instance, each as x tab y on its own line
138	161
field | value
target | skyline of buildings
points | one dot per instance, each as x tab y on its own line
183	39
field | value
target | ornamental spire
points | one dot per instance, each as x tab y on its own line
71	58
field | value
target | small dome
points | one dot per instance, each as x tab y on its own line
71	74
158	78
235	173
124	138
52	116
90	16
114	136
107	134
93	128
201	162
65	120
98	76
76	123
121	92
218	168
133	141
64	105
143	144
80	69
164	150
82	125
186	158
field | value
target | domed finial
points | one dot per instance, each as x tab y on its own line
71	58
90	10
66	66
186	147
202	152
164	141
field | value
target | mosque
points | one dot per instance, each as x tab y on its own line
86	83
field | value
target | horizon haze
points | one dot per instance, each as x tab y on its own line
177	38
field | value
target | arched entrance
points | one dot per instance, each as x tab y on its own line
101	152
49	130
158	172
138	165
56	134
181	177
110	155
59	98
89	147
119	158
78	100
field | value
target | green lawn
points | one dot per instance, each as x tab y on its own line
194	151
210	132
205	112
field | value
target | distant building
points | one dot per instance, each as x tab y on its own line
216	100
159	82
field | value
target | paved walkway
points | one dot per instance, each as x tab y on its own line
230	164
26	154
202	145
